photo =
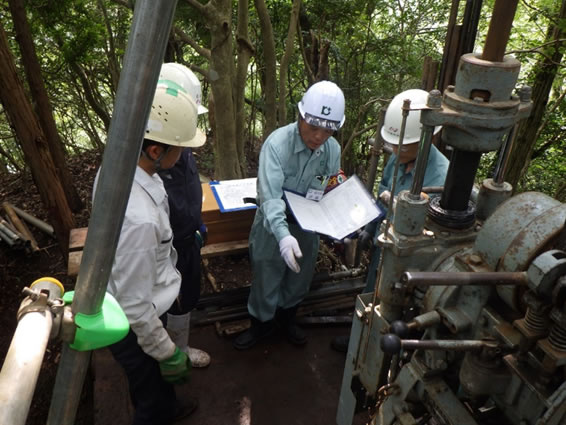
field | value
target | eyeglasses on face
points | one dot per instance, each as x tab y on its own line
404	148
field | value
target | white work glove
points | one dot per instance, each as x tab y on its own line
290	251
385	196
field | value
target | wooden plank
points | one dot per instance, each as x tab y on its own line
228	231
77	238
232	247
74	263
211	250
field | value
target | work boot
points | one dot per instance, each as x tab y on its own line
340	343
178	327
257	331
184	408
286	319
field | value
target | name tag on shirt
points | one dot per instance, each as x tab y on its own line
314	195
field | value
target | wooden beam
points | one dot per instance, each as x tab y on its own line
78	236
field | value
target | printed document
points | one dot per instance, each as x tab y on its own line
339	213
229	194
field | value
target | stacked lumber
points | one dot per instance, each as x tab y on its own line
328	303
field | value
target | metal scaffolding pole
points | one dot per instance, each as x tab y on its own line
142	62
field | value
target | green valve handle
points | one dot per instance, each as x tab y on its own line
99	330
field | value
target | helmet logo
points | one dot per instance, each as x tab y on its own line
326	110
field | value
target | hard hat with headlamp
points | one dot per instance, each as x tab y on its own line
173	118
323	106
391	128
186	79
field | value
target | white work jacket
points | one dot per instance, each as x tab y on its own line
144	279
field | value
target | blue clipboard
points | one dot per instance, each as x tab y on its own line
223	208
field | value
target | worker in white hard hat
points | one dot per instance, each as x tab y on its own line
435	174
144	279
437	165
186	79
298	157
184	191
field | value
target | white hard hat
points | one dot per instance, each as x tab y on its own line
186	79
323	105
394	117
173	118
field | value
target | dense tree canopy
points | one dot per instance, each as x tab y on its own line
256	58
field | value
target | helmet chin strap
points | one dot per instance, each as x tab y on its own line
157	161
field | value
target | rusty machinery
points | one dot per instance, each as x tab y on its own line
468	321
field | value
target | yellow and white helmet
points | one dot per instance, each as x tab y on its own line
186	79
173	118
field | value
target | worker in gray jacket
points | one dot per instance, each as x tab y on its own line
299	157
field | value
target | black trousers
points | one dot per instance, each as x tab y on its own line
153	398
188	264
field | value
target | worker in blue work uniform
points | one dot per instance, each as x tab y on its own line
435	174
300	157
184	191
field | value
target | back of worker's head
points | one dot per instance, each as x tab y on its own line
186	79
391	128
173	118
323	106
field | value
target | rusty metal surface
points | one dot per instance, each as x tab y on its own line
500	230
533	238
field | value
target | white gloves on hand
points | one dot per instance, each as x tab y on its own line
290	251
385	196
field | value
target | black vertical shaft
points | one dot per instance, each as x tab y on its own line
459	180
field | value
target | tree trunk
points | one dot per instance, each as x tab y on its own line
545	72
114	68
286	59
245	51
270	71
34	145
43	105
98	108
219	16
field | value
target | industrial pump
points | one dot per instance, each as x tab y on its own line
467	325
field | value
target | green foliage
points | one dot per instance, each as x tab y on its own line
376	49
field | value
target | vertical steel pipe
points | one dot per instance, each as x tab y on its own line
405	113
460	180
499	30
142	61
22	366
503	158
422	160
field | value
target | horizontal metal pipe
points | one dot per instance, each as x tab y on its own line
463	278
41	225
452	345
8	232
22	366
